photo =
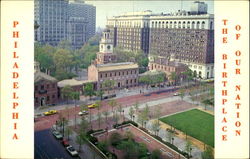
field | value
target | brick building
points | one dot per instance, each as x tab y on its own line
46	92
168	67
103	68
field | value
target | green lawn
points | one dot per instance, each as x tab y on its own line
196	123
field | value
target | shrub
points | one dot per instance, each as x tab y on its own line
115	138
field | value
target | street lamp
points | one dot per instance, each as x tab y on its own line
133	117
145	124
190	152
123	115
172	141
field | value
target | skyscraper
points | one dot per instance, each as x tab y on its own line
51	16
64	20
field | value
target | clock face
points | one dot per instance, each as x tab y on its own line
108	47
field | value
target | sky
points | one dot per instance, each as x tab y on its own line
109	8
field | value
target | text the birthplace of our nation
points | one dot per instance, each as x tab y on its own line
236	91
15	78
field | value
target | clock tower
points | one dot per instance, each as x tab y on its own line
105	54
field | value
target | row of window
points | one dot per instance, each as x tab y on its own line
102	75
48	98
42	87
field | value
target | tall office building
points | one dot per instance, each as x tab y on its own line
64	20
186	37
82	17
130	31
51	16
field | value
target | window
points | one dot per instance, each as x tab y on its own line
48	98
101	75
105	74
42	86
47	85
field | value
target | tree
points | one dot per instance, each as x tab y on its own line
98	105
208	153
89	90
182	93
84	125
100	93
155	127
131	112
169	135
99	118
206	102
115	138
173	77
136	105
75	96
106	113
108	84
67	92
188	147
68	131
156	154
120	109
112	103
129	135
80	139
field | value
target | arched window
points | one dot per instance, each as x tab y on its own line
203	25
179	24
170	26
163	25
188	24
166	24
198	25
159	25
184	25
153	24
175	24
193	23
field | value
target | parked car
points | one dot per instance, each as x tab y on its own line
65	142
83	112
72	150
176	94
109	96
92	105
50	112
57	134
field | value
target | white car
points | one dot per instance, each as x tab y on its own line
57	134
84	112
72	151
176	94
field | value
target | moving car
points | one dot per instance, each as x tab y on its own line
92	105
50	112
57	134
83	112
72	151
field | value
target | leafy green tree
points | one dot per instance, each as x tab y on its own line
115	138
100	93
173	77
206	102
108	84
67	92
156	154
89	90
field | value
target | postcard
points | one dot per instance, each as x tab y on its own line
124	79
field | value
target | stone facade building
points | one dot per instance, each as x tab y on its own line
184	36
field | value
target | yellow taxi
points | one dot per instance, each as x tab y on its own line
50	112
92	106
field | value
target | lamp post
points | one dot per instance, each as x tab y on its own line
123	115
172	141
145	124
190	152
75	115
63	125
133	117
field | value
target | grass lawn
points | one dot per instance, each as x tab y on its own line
196	123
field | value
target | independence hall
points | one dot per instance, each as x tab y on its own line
185	36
